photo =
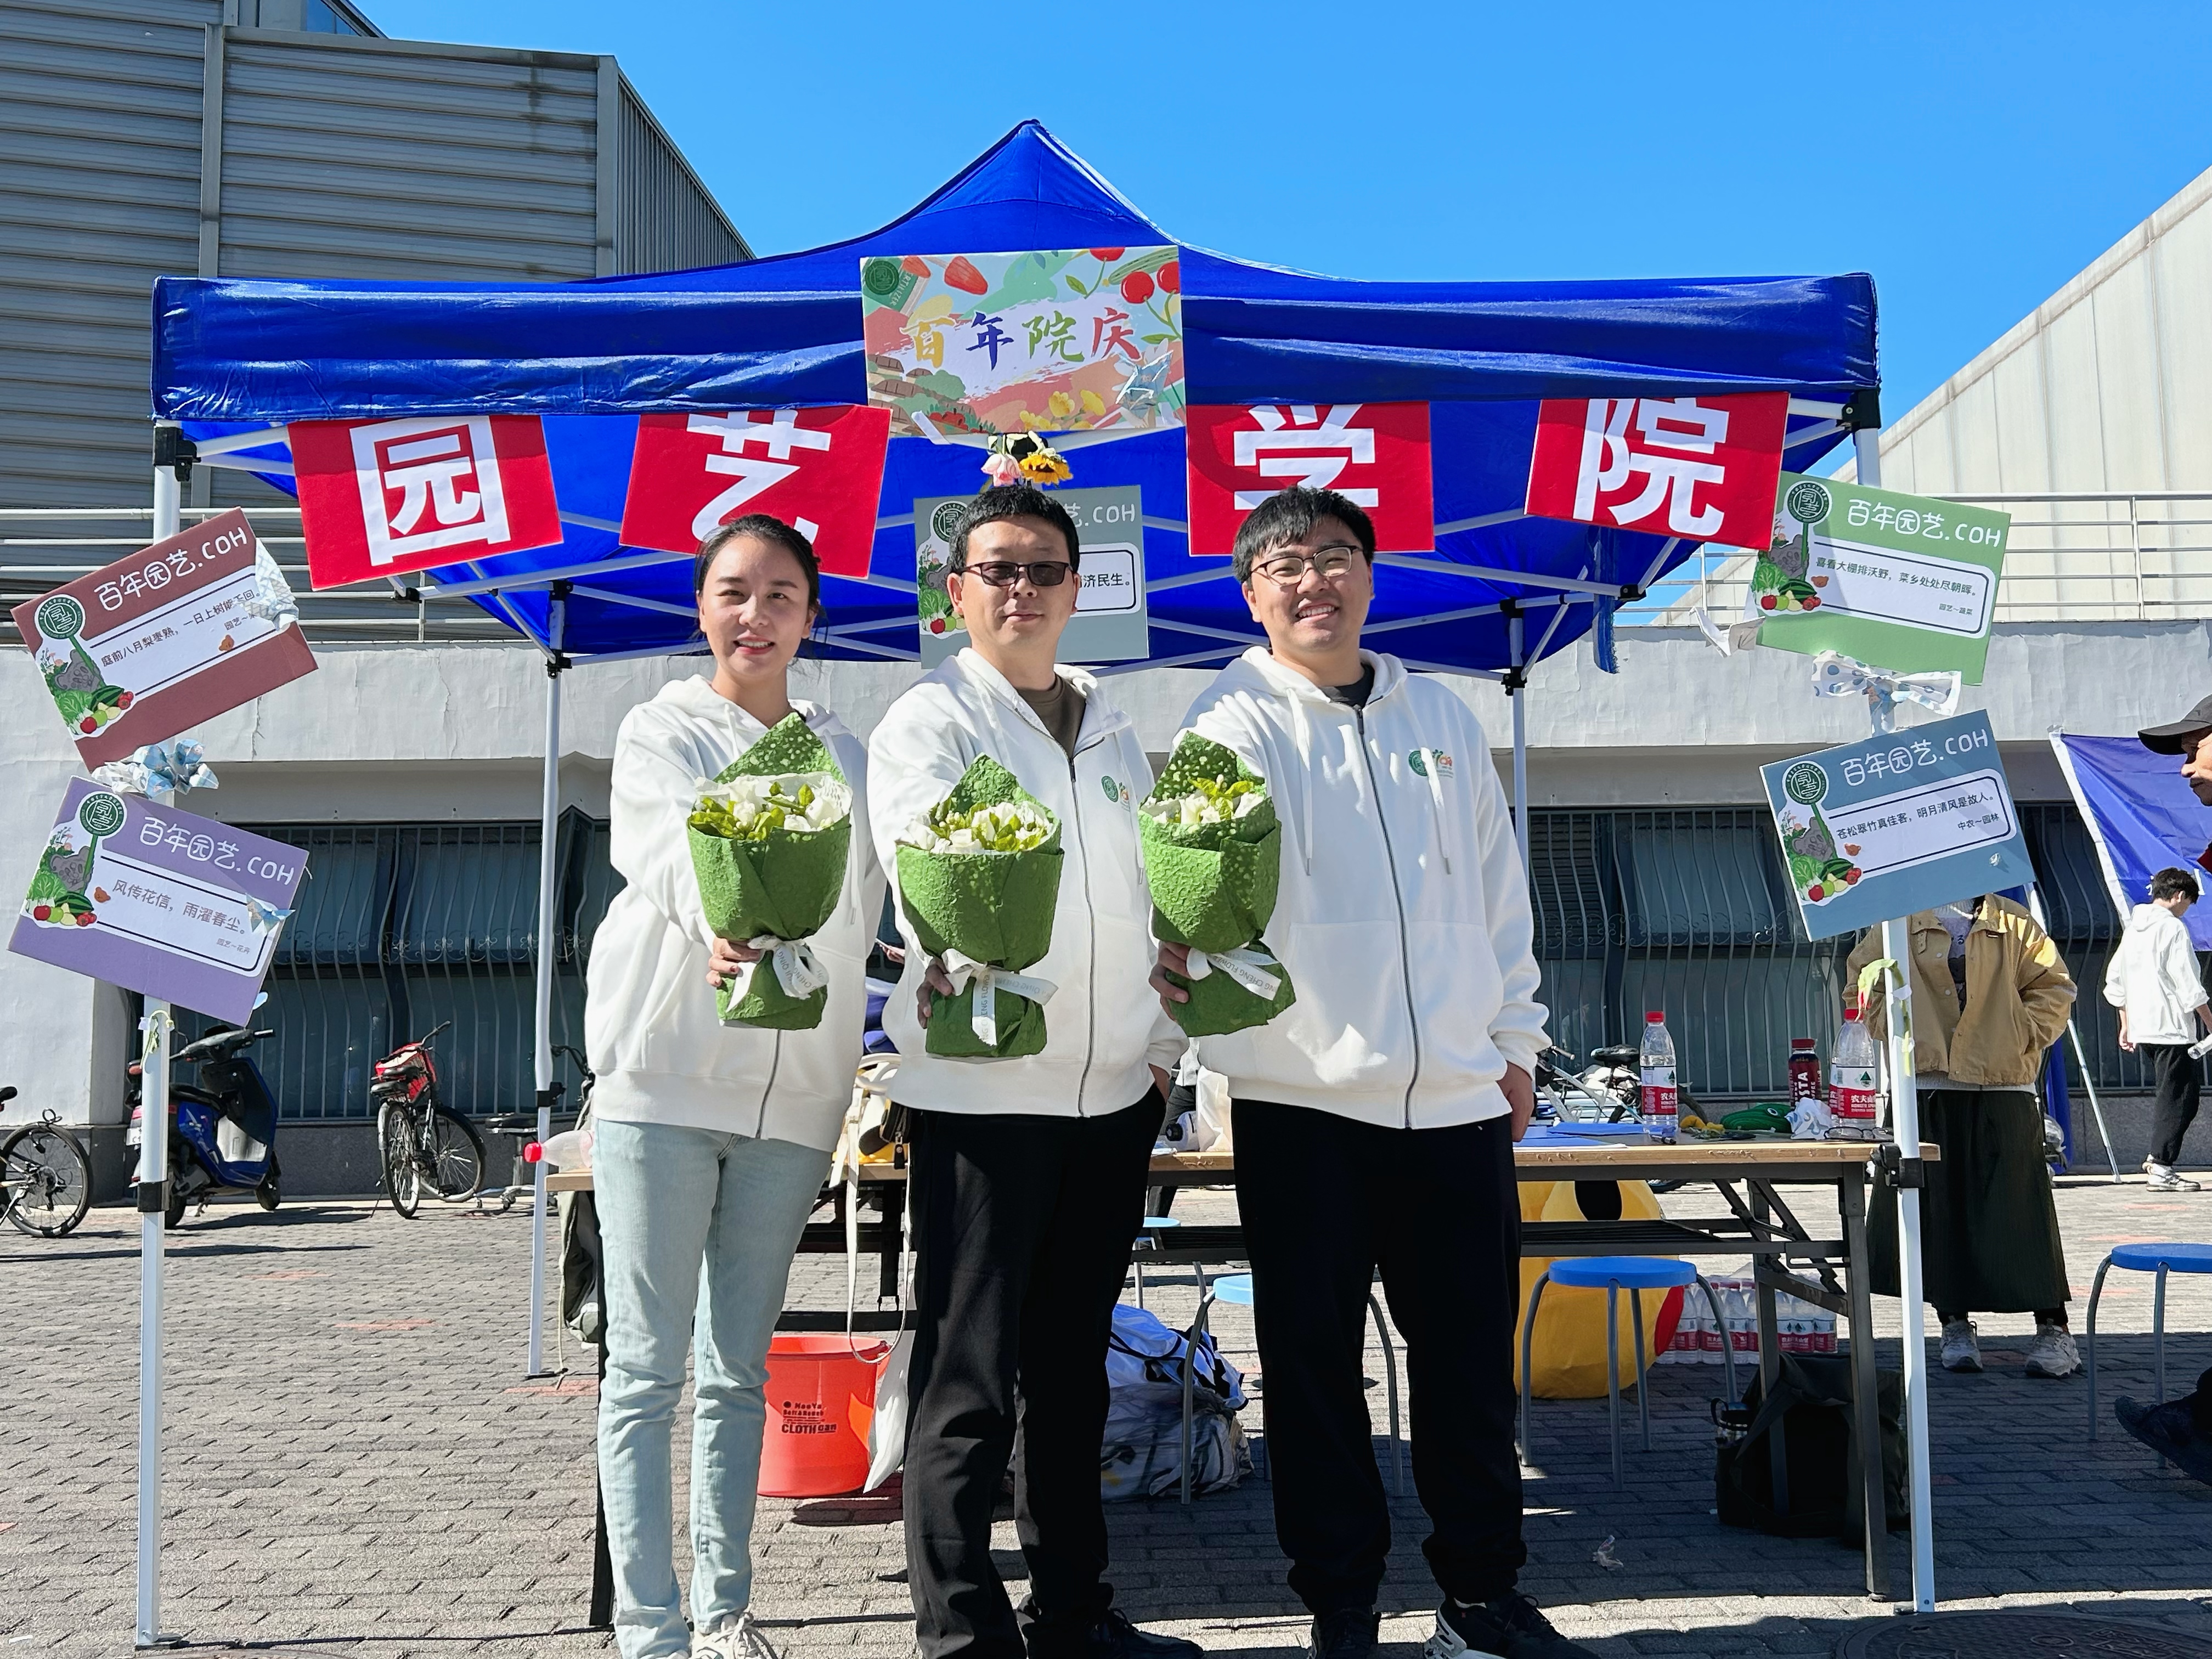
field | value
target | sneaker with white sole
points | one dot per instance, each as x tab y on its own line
2053	1353
2164	1179
737	1637
1962	1347
1510	1627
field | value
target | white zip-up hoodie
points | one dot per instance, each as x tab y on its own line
660	1053
2153	975
1404	916
1103	1025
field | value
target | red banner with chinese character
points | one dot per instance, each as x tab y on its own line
380	498
1705	469
820	471
1374	455
176	634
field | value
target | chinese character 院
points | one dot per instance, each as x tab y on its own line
1679	426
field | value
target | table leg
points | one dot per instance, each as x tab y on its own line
1770	1364
603	1564
1865	1377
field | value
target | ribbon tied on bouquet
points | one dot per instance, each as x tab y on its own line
1835	675
798	969
1249	968
964	970
173	768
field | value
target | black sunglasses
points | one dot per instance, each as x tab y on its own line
1005	573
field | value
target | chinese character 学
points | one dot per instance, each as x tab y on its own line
429	483
1304	446
1668	432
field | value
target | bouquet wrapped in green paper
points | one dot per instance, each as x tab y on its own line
770	838
979	876
1212	860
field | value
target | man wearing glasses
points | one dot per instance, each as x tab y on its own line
1027	1175
1374	1117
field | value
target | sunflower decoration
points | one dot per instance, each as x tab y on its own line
1025	457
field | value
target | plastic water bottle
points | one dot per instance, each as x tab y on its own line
1854	1078
569	1150
1656	1097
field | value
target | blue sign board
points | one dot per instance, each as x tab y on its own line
1900	822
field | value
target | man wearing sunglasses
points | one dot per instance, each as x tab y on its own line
1027	1174
1374	1117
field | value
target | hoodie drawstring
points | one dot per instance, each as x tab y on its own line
1429	758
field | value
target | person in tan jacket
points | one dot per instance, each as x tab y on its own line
1989	994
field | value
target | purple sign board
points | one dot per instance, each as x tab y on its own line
164	902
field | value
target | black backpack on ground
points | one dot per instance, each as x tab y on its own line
1824	1494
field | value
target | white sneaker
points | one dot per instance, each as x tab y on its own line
736	1638
1962	1351
2163	1179
2053	1353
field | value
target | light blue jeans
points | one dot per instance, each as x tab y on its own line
671	1202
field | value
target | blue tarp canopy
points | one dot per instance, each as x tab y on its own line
233	356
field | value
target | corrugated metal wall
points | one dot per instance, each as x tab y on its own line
100	193
325	156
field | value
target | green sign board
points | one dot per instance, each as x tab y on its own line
1902	582
1112	623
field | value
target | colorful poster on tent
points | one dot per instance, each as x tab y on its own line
1375	454
1899	821
160	901
178	633
380	498
818	469
1111	621
1701	468
971	344
1902	582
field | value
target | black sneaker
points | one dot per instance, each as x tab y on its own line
1510	1627
1115	1637
2170	1430
1347	1633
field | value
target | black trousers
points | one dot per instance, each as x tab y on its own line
1326	1201
2175	1108
1023	1228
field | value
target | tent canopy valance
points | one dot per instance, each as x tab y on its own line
233	356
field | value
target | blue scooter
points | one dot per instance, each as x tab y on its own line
222	1133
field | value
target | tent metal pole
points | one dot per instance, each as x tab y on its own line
549	950
152	1197
1518	690
1904	1118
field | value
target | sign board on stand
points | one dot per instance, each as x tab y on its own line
175	906
1905	583
1111	621
1899	821
180	632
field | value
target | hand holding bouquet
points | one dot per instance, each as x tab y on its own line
770	838
979	877
1212	860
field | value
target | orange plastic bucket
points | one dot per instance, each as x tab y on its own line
821	1400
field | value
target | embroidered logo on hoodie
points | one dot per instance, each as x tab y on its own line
1418	759
1114	791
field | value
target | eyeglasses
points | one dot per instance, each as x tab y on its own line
1289	569
1005	573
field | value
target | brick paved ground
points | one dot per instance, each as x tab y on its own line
357	1468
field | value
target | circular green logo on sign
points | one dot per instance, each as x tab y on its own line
1805	782
99	815
946	519
61	617
880	277
1808	502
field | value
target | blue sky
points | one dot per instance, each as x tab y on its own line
1972	157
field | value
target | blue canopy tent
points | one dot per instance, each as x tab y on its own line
233	359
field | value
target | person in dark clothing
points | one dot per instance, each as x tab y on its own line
1374	1117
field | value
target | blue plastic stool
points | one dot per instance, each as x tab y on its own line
2160	1258
1638	1273
1236	1288
1153	1224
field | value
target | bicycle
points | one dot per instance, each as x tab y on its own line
45	1179
421	1142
